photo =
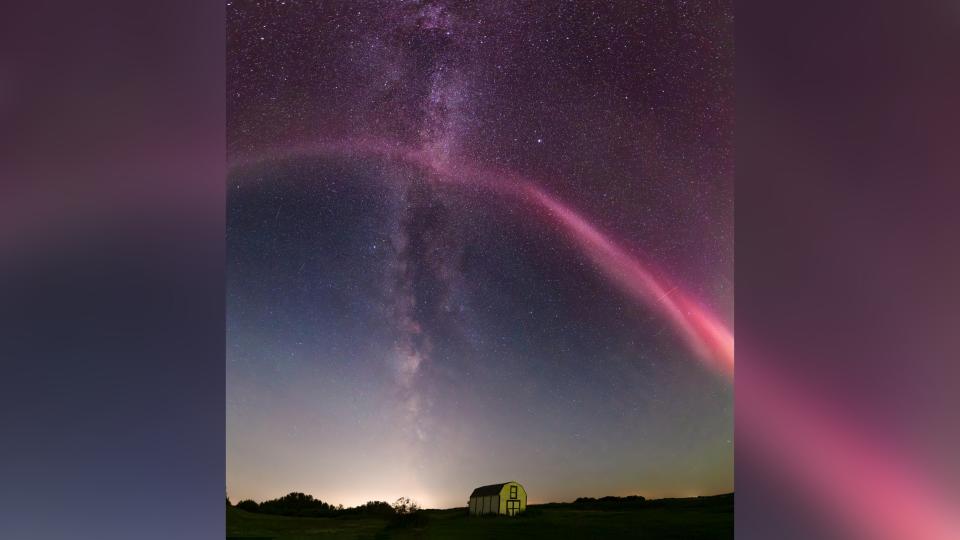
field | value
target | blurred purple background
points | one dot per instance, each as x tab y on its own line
111	270
847	261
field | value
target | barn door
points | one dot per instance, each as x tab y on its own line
513	508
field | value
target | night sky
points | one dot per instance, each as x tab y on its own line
477	242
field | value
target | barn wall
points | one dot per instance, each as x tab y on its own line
505	496
489	504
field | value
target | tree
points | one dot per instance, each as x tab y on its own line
404	505
406	513
248	505
296	504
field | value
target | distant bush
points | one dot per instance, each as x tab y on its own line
370	509
610	501
297	504
410	520
404	505
248	505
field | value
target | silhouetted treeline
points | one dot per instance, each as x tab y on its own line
610	499
637	501
372	508
303	505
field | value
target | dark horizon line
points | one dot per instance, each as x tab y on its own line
528	505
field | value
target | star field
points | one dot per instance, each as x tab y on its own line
441	221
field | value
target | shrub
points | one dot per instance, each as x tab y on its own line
248	505
531	512
296	504
610	502
404	505
410	520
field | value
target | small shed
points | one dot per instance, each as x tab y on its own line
508	499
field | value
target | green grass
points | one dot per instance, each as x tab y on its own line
687	519
242	524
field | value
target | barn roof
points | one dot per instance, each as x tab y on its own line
492	489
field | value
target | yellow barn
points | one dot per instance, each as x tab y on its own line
508	499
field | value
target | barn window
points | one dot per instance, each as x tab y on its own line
513	492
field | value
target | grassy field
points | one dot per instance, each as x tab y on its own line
688	519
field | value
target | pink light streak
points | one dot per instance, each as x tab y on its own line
852	477
709	338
